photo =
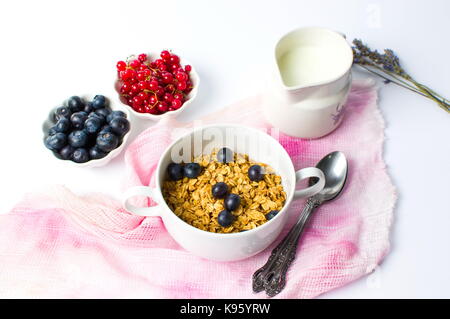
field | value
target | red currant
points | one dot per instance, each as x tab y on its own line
140	109
168	97
147	72
176	104
135	64
140	76
137	101
153	85
153	110
170	88
178	96
162	107
174	59
181	86
125	88
165	55
121	66
167	78
142	57
152	100
164	77
135	89
181	76
128	74
143	96
142	85
159	91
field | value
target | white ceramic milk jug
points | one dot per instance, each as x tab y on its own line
311	80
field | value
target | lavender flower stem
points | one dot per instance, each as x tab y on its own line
388	67
393	76
394	81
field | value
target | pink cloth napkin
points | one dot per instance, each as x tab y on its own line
61	245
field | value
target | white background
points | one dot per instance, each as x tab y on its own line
51	50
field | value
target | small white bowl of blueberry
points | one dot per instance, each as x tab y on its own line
87	132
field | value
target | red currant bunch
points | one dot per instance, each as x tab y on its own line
154	87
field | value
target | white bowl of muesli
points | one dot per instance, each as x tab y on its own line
223	191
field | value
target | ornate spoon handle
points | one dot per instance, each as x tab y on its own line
272	276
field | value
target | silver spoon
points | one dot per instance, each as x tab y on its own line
272	276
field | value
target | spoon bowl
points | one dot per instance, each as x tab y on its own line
335	168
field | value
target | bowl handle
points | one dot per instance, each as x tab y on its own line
142	211
309	172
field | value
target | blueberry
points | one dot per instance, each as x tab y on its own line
63	125
98	102
271	214
56	142
56	154
52	131
232	202
120	126
78	138
100	117
80	155
255	173
66	152
78	119
107	142
103	112
175	171
105	129
93	124
114	114
62	111
88	108
225	218
96	153
192	170
225	155
220	190
75	104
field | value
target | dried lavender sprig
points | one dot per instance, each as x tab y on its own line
389	77
389	80
389	64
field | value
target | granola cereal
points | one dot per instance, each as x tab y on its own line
191	198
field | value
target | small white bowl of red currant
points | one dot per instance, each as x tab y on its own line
155	86
87	132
